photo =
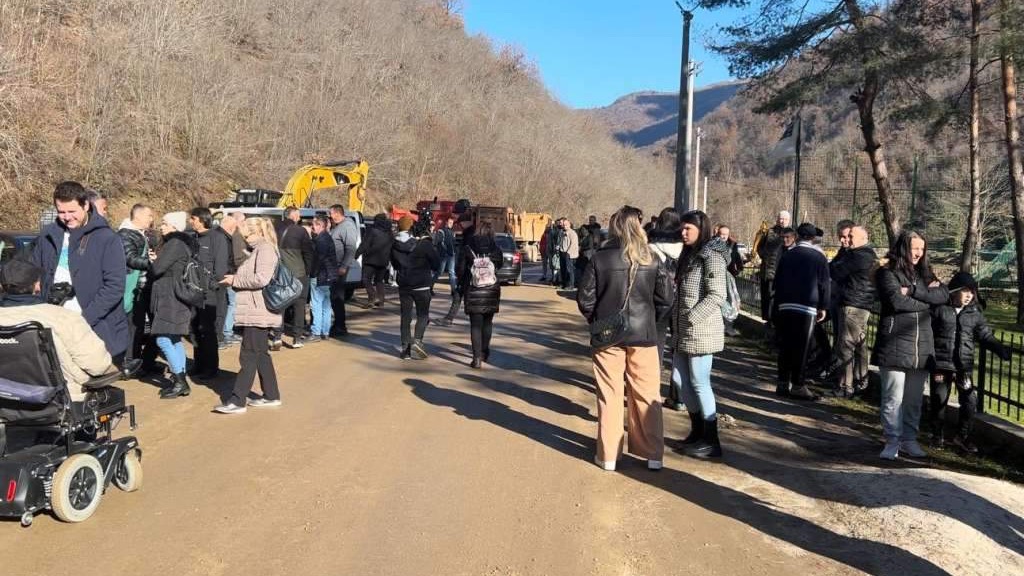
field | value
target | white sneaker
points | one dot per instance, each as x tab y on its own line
609	466
262	403
229	409
913	449
654	464
891	451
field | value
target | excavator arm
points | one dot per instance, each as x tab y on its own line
348	176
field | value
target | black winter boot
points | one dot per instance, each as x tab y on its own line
708	446
696	429
179	387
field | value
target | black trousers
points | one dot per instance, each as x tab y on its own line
296	313
767	294
338	304
480	326
966	394
253	359
420	299
222	312
204	326
375	278
794	330
136	329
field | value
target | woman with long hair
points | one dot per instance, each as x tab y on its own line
904	346
256	321
665	239
698	330
622	294
482	302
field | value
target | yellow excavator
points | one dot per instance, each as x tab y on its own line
351	174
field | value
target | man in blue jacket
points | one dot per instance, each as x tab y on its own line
802	292
84	266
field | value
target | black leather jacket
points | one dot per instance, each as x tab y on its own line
852	271
602	292
136	253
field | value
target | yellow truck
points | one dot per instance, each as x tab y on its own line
527	228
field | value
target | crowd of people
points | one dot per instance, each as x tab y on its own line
650	293
927	331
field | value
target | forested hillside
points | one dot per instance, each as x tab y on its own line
179	101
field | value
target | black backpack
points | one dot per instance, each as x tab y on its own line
195	281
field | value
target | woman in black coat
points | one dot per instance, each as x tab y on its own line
171	317
482	302
904	345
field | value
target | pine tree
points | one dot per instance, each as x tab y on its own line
845	45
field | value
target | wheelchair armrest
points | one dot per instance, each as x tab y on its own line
103	380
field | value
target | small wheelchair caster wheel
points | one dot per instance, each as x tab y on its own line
26	519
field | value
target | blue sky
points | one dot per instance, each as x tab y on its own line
590	53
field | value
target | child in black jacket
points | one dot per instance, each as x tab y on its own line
958	326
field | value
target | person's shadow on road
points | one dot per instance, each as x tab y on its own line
862	554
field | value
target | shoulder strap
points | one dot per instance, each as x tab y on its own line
629	290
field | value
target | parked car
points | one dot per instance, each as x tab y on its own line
512	268
14	243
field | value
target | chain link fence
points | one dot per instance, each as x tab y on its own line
931	195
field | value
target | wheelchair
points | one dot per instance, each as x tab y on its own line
56	454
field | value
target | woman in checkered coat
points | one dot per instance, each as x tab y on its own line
698	330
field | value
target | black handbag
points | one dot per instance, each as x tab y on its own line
610	331
283	290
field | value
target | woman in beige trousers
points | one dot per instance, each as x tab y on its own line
623	293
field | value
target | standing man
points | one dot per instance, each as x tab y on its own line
444	239
769	250
801	300
345	234
84	267
99	202
853	275
835	312
554	237
138	256
230	225
297	255
734	267
569	251
214	255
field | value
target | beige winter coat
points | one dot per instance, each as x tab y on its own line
255	273
81	352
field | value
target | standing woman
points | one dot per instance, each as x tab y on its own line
665	239
698	330
171	317
904	346
623	293
482	302
256	321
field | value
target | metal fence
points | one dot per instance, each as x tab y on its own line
999	382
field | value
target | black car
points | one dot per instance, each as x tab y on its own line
512	268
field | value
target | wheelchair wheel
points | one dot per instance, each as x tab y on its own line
77	488
128	475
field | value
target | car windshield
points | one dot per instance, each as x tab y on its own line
505	243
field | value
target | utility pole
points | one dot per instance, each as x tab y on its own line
683	134
696	168
705	194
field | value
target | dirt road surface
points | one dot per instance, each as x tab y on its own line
376	465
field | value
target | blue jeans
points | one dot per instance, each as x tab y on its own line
447	265
902	397
229	315
692	374
320	301
174	352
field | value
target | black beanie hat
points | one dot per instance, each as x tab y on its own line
963	280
